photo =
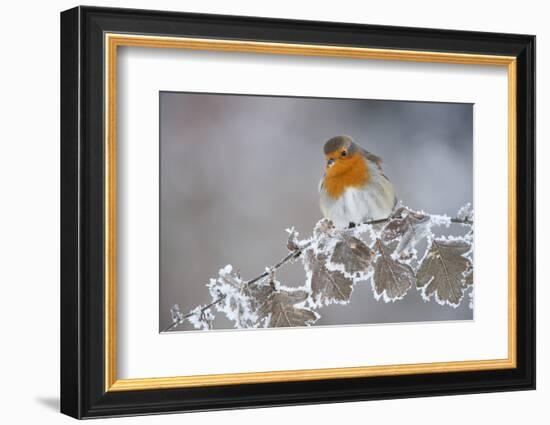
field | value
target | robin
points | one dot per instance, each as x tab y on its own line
354	189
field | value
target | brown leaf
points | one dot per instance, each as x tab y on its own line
256	294
391	279
409	229
445	271
469	277
395	227
280	310
323	226
238	300
353	254
292	243
326	286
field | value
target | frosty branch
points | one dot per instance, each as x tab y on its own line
384	252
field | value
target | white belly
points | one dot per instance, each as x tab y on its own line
357	205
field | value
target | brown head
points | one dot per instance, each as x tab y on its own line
346	165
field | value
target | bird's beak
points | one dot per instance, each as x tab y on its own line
330	163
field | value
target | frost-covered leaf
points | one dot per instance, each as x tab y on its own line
471	297
395	227
257	293
323	227
445	271
292	243
327	286
235	297
466	213
469	276
352	254
201	318
251	304
176	314
391	279
280	309
336	259
408	228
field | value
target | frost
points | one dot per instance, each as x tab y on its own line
391	279
326	286
407	229
292	243
353	255
226	270
471	298
326	281
282	309
201	318
176	314
234	296
444	271
466	213
440	220
394	254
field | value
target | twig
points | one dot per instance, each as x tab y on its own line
456	220
188	315
379	221
461	221
290	256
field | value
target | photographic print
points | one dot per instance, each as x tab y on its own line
293	211
312	210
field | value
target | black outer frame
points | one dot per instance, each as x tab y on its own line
82	220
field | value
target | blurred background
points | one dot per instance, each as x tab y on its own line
237	170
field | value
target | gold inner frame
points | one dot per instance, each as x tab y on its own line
113	41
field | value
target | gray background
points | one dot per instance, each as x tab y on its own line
236	171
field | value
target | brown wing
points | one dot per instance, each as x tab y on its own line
372	157
378	161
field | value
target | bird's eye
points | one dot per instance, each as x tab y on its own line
344	153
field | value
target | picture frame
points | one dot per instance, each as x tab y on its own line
90	40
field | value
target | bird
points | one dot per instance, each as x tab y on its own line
354	189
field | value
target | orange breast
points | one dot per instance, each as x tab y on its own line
348	172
